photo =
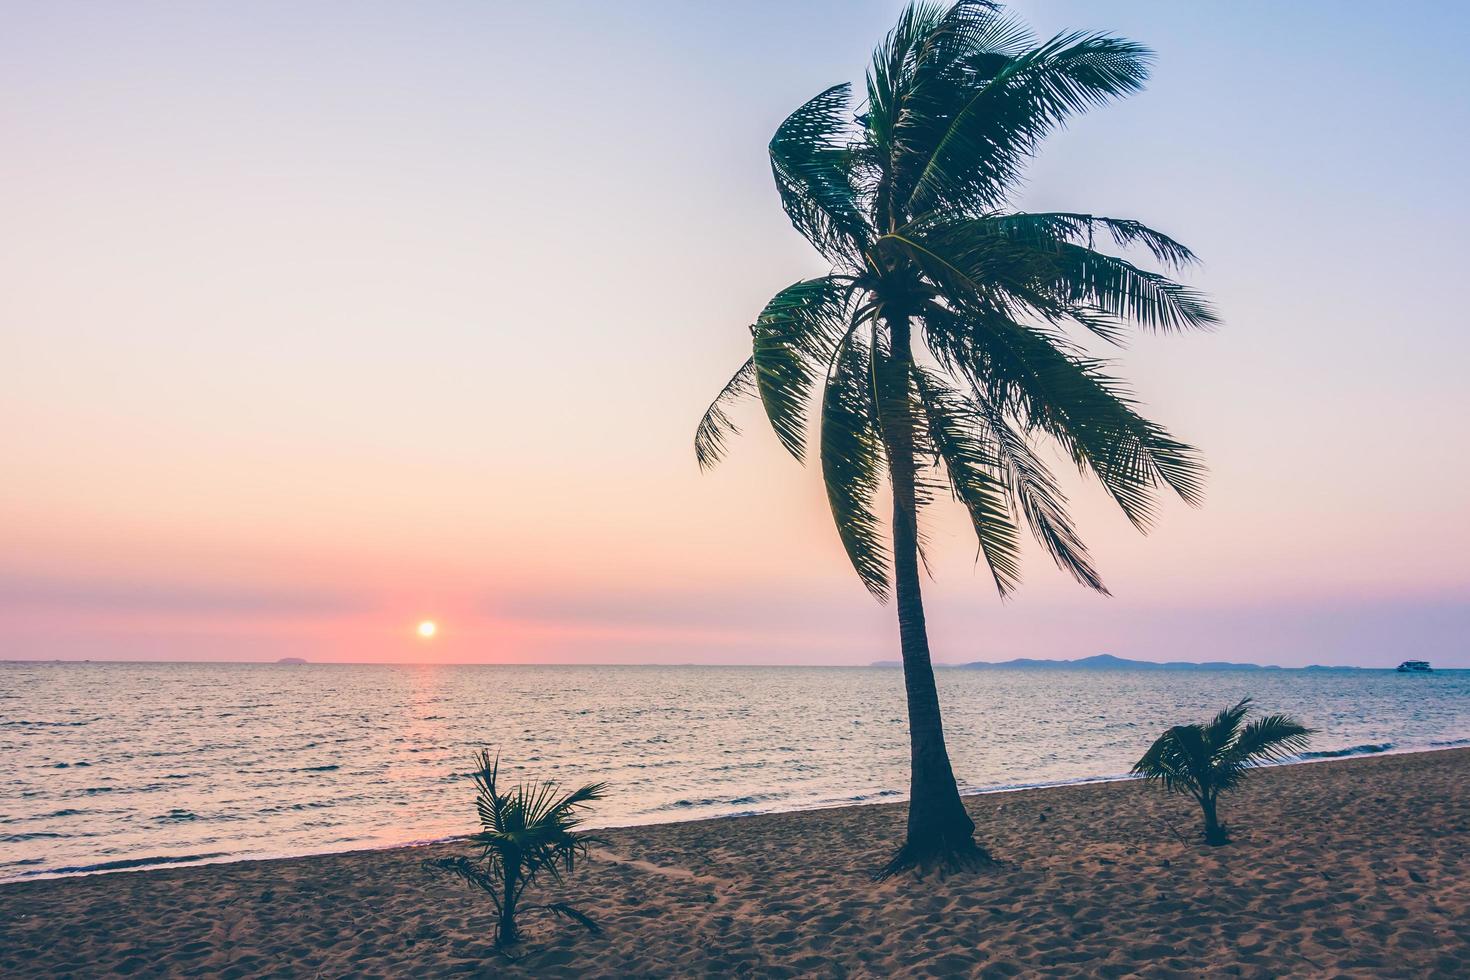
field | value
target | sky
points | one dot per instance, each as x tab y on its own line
323	319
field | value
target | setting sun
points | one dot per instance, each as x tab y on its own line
427	629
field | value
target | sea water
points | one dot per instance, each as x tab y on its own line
105	766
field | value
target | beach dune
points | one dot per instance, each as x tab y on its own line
1345	868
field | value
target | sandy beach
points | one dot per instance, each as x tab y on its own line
1344	868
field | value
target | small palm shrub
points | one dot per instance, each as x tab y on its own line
1206	760
529	830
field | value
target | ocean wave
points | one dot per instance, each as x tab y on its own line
719	801
124	865
881	794
20	838
969	790
45	724
1372	748
305	805
121	790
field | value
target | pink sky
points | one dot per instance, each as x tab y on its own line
312	330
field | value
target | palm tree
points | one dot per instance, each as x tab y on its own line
939	344
529	830
1205	760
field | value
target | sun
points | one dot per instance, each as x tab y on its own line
427	629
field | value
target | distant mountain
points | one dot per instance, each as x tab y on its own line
1106	661
291	660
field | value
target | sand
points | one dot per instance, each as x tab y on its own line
1345	868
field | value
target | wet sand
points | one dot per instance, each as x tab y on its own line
1346	868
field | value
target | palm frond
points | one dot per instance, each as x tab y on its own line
1176	760
852	462
1271	738
1010	262
971	28
973	40
993	120
889	81
1116	286
1195	753
898	56
716	426
1220	730
811	163
973	465
792	338
564	911
470	873
1068	397
1041	500
1041	228
489	803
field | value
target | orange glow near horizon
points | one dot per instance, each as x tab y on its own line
287	391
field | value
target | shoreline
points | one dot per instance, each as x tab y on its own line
1357	868
893	798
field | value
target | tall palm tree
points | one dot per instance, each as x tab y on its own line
938	345
1206	760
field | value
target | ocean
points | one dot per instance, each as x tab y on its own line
122	765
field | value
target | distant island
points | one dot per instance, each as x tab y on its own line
1106	661
291	660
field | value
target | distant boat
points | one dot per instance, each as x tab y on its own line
1415	667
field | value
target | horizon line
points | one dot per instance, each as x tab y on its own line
871	665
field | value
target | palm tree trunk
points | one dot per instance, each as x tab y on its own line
1214	833
507	935
939	829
